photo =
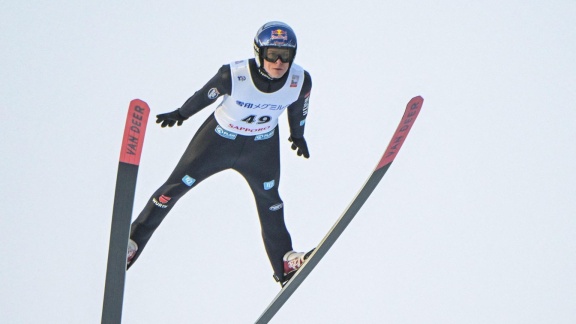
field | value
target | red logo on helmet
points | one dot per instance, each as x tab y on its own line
279	34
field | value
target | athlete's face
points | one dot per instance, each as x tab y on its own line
277	61
276	69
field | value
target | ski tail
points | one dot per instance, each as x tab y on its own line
408	119
131	151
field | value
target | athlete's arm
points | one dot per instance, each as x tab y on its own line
219	85
298	110
297	113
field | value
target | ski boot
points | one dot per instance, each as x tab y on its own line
132	249
292	262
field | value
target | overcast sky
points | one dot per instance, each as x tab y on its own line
475	222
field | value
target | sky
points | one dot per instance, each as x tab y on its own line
473	223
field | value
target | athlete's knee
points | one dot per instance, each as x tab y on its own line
268	191
169	193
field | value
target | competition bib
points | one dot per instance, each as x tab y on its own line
247	110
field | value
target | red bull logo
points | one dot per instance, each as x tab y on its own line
279	34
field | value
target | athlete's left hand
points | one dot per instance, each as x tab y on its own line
299	145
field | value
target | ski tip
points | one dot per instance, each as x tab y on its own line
417	98
139	102
412	110
134	132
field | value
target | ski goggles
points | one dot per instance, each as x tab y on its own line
272	54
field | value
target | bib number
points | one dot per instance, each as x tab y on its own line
261	120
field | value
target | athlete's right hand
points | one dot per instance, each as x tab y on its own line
171	118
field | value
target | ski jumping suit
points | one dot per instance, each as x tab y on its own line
241	135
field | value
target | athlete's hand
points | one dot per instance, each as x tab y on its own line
171	118
299	145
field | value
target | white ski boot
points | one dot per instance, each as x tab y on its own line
132	248
292	262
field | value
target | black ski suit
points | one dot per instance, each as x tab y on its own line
258	161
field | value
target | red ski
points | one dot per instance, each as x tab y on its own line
412	111
130	153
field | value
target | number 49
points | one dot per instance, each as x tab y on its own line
252	118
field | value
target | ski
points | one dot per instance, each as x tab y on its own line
412	111
130	153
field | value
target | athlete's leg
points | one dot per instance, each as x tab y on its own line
260	165
207	154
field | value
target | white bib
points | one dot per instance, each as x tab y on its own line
247	110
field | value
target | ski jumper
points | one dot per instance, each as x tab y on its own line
242	135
